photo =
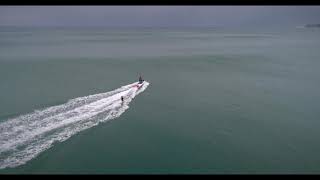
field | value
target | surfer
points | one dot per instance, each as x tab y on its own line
122	99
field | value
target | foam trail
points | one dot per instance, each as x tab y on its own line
24	137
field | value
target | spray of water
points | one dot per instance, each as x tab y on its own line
24	137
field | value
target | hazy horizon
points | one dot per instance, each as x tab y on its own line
158	16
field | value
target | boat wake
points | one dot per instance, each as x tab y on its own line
24	137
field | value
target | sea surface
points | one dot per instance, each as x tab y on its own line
215	101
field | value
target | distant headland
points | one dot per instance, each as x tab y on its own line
312	26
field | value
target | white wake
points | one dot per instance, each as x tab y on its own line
24	137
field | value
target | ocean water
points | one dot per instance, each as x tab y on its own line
214	101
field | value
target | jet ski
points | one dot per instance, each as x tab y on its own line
138	85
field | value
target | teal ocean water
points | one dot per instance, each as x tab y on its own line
214	101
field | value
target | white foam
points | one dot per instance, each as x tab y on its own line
24	137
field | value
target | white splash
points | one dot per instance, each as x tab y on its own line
24	137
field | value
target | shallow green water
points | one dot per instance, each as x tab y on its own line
218	101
